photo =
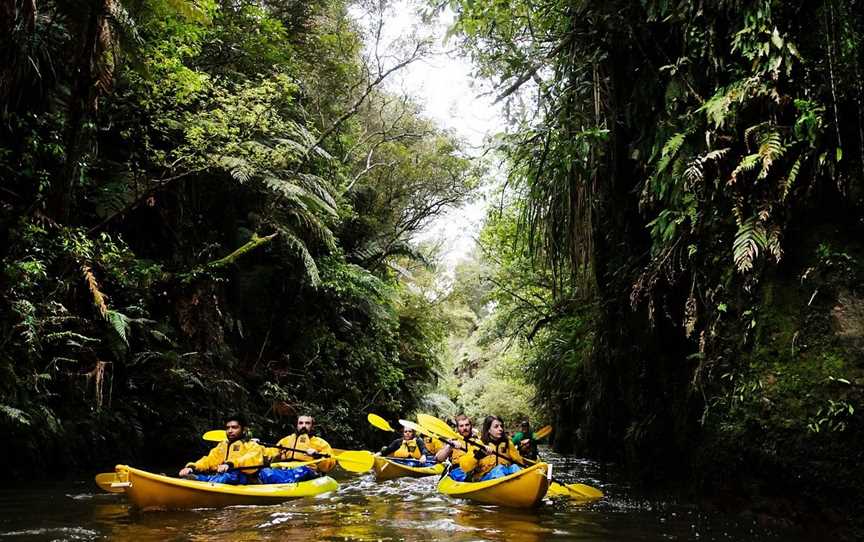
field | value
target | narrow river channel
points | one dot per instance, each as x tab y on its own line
362	509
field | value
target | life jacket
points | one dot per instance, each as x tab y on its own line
432	444
457	453
505	448
407	450
239	453
302	442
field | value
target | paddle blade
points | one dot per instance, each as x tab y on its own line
543	432
579	492
417	428
379	422
105	479
356	460
437	425
217	435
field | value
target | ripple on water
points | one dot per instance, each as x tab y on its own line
62	533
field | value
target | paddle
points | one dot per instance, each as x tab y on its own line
543	432
379	422
384	425
582	491
350	460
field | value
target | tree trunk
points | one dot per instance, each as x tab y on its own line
81	103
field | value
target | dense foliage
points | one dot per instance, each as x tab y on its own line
200	205
684	194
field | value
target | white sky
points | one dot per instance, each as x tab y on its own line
443	85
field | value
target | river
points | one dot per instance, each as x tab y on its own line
362	509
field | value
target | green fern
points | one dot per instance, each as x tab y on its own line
18	416
771	149
119	323
670	150
790	179
750	239
298	247
748	163
716	108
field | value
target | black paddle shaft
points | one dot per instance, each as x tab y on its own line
268	445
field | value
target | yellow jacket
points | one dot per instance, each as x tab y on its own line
469	463
239	453
455	453
302	442
432	444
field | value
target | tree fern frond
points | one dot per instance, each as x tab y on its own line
751	131
695	172
119	322
298	247
771	149
773	245
16	415
320	188
670	150
312	226
238	167
750	239
790	179
309	199
748	163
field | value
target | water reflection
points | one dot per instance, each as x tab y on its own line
362	509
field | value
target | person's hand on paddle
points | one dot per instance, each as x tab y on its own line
185	471
312	452
223	468
525	442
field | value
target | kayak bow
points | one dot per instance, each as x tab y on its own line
387	469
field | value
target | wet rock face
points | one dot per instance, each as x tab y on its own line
848	319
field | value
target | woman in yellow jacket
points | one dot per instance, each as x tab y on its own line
496	458
221	464
410	449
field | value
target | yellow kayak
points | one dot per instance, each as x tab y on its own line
523	489
386	469
155	491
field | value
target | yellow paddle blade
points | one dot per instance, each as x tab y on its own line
437	425
217	435
379	422
419	429
105	479
356	460
579	492
543	432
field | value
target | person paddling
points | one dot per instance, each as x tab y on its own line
409	447
524	440
236	451
302	445
498	456
455	450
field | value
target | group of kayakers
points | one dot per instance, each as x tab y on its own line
472	457
238	460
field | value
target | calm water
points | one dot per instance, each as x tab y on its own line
362	509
